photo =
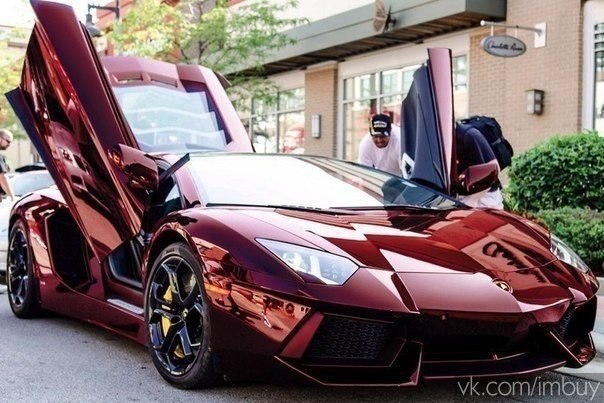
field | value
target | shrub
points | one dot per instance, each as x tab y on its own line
582	229
563	171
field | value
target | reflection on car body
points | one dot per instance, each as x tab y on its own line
251	266
22	183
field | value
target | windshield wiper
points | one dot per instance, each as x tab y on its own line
329	210
393	207
415	207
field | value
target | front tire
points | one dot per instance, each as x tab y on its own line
20	280
178	320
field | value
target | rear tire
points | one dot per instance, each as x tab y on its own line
20	280
178	320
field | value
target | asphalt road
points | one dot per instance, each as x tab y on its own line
56	359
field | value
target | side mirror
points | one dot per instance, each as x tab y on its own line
139	168
479	177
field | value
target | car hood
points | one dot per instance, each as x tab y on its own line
454	241
462	259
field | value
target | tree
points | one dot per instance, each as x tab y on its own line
234	41
11	64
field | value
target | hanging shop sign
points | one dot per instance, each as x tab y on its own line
503	45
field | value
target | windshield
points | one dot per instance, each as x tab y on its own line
167	119
309	182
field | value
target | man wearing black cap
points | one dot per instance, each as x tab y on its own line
381	147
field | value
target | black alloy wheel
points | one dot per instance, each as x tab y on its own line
20	282
178	322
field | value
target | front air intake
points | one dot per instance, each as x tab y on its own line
349	339
576	322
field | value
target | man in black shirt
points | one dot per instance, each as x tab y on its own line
474	149
6	137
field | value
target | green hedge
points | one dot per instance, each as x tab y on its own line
560	184
563	171
582	229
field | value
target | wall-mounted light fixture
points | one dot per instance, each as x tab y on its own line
534	102
315	126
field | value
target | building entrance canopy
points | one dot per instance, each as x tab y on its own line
351	33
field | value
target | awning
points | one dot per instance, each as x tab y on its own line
352	33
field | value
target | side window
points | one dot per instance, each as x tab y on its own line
165	200
172	202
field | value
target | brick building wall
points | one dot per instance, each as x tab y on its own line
321	89
498	85
487	78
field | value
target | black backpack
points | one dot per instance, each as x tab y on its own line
491	131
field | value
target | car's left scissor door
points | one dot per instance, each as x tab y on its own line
70	113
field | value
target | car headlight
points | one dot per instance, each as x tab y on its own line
566	254
307	262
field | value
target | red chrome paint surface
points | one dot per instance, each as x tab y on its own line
79	127
439	294
418	270
78	130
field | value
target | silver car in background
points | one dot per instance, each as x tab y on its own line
22	184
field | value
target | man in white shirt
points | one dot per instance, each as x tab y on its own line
381	147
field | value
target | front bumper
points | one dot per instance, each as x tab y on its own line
333	349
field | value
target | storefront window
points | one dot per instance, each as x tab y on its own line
364	86
460	86
408	78
291	99
362	99
278	126
356	122
392	82
264	133
242	106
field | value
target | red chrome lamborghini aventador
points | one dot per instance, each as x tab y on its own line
270	267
